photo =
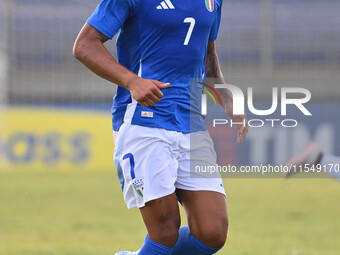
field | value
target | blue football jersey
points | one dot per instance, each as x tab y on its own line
164	40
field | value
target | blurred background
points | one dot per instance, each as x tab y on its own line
59	193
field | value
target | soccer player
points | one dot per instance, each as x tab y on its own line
161	45
312	155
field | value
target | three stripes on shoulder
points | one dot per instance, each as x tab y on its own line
166	4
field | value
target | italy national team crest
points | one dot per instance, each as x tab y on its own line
210	5
138	185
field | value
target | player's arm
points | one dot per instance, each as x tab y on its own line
90	50
213	70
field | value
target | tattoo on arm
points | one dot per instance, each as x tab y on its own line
212	66
213	70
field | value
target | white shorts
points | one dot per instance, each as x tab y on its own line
153	162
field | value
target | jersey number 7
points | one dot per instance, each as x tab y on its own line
192	22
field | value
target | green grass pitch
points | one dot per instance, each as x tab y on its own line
82	212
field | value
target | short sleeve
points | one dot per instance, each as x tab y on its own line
216	26
110	16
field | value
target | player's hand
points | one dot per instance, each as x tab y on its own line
147	92
242	127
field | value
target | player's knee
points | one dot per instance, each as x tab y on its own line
215	235
169	236
168	228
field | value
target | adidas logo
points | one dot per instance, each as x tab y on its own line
166	4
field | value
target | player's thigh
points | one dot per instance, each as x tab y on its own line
162	219
146	167
206	213
202	193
